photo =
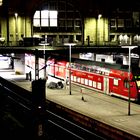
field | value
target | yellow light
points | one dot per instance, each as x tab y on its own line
99	16
16	14
1	1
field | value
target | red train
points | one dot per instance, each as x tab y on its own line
111	79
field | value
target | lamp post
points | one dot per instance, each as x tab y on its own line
44	56
98	29
16	29
70	44
129	78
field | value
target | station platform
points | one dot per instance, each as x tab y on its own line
107	109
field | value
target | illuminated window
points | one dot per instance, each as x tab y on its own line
53	18
45	18
36	19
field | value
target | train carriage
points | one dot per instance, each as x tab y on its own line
111	79
108	78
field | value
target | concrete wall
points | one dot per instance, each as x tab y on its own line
97	30
17	28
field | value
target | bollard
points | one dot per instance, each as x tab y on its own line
81	90
39	92
30	76
38	109
27	76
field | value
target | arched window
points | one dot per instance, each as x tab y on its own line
60	14
45	18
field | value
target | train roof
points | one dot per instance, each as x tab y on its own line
101	64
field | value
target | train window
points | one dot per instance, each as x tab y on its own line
126	83
90	82
99	85
88	69
86	81
56	68
72	66
81	67
82	80
78	79
77	66
74	78
116	82
84	68
91	70
94	84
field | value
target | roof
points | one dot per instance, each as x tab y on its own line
87	7
102	64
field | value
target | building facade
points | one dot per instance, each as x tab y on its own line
60	21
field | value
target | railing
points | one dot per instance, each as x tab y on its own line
91	43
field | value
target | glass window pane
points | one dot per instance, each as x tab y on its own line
70	23
53	22
116	82
61	23
44	14
78	23
120	22
44	22
37	14
94	84
113	23
36	22
53	14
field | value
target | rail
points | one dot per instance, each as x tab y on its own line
21	109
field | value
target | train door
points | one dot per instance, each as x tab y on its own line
106	85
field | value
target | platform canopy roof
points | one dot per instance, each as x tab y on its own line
87	7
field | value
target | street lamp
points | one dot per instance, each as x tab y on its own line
44	55
69	44
130	48
98	29
16	28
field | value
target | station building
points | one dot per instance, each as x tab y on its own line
94	23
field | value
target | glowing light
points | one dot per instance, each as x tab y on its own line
1	1
99	16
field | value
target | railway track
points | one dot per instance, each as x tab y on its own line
58	119
17	112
